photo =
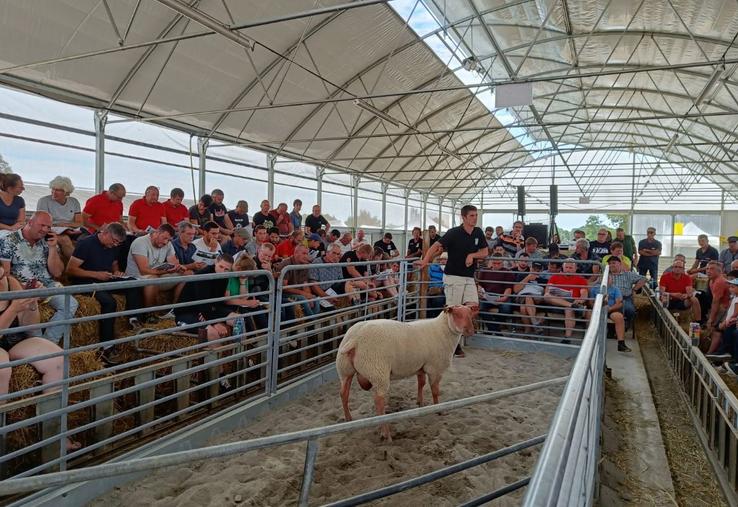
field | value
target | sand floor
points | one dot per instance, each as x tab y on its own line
353	463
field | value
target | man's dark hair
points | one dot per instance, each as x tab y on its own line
531	241
296	202
259	228
335	233
468	209
489	228
388	235
417	229
522	254
176	192
579	231
206	200
224	257
616	244
115	229
209	226
733	274
619	229
497	254
167	228
273	230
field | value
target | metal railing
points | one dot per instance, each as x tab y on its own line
711	403
567	470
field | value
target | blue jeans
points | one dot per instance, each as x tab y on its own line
56	333
649	267
504	310
309	307
629	310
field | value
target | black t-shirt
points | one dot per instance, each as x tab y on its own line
520	274
317	252
646	244
387	248
458	243
238	220
433	240
414	246
262	219
599	250
219	212
94	255
205	289
314	223
704	257
201	219
351	256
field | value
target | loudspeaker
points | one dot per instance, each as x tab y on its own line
521	200
538	231
554	199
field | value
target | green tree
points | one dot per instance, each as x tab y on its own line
366	219
4	166
617	220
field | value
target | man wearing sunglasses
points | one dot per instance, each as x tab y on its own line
599	247
649	250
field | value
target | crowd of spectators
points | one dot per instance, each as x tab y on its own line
65	241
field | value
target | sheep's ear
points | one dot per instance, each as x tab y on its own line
447	309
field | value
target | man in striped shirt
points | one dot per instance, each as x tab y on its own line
627	282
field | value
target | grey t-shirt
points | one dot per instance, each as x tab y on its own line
143	246
59	212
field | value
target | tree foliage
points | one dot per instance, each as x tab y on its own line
4	165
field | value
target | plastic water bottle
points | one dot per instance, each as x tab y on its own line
238	327
657	292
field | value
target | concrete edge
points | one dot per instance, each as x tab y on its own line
521	345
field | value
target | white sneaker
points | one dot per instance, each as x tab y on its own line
168	315
729	369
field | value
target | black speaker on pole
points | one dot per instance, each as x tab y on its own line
538	231
521	200
554	199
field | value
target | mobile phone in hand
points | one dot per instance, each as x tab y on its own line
30	284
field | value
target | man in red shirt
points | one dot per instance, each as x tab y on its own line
287	247
146	212
678	285
174	211
720	301
282	219
569	291
104	208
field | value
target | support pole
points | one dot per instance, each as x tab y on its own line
271	159
355	180
407	202
385	186
101	118
202	148
425	210
321	173
440	216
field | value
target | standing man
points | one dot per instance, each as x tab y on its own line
220	212
359	240
432	235
705	254
315	221
295	216
730	254
649	250
514	241
282	219
629	246
262	217
465	244
415	245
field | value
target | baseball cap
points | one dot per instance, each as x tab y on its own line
732	239
314	237
537	264
242	233
614	258
734	281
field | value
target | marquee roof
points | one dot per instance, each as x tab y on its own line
352	85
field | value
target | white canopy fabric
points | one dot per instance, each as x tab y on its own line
655	77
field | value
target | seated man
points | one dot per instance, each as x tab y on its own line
104	208
720	292
569	291
729	332
237	243
31	255
197	291
95	260
616	248
677	285
387	245
260	237
705	253
627	282
295	288
329	279
582	253
496	286
65	211
287	246
185	250
146	213
316	248
174	211
207	246
152	256
529	288
614	304
357	274
200	213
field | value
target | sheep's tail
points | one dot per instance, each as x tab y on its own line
346	354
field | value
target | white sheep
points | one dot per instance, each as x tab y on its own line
380	350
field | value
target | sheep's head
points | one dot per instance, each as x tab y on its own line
460	319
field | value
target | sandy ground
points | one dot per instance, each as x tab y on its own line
353	463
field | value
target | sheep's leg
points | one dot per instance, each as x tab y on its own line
345	390
436	388
421	385
384	431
